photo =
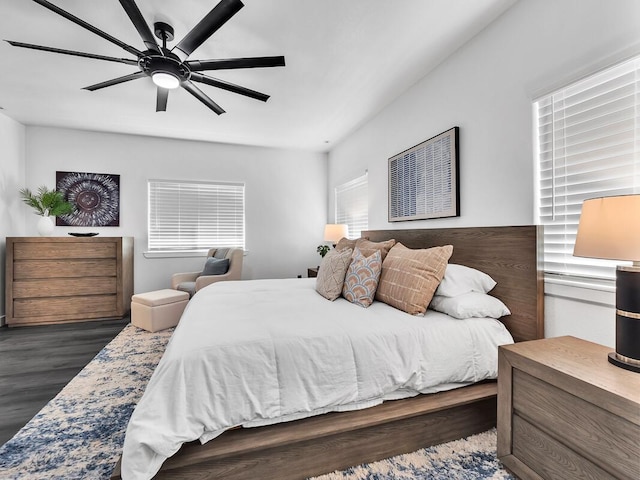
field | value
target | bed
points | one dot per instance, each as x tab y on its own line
411	417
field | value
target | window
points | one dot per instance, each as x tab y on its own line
588	146
352	205
192	216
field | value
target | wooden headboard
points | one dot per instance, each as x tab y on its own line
508	254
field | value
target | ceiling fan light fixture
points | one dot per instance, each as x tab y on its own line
168	70
165	80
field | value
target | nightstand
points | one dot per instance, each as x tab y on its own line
312	272
565	412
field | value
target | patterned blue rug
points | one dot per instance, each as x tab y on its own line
79	434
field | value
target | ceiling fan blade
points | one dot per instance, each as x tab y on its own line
196	92
215	82
217	17
141	25
228	63
91	28
115	81
161	100
73	52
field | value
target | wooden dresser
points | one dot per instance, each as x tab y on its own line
67	279
565	412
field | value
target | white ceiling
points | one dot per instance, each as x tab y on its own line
346	59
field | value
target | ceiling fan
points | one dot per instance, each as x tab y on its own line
169	68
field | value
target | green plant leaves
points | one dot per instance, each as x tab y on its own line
46	202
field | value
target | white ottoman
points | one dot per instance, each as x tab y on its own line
154	311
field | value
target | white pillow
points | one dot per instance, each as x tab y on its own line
459	279
470	305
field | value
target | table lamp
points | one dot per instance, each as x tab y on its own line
610	228
334	232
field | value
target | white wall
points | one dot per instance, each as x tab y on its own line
12	156
285	194
487	88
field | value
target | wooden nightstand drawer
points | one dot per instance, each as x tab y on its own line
534	447
587	429
564	412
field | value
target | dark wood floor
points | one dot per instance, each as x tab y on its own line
36	362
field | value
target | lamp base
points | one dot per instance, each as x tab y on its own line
627	354
613	359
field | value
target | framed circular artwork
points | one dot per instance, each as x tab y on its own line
95	197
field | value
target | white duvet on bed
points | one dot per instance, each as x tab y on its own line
261	351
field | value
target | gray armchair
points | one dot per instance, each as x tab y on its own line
191	282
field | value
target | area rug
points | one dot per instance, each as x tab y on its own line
79	434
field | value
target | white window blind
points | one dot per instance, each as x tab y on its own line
588	146
352	205
187	216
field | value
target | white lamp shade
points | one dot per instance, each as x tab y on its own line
333	232
610	228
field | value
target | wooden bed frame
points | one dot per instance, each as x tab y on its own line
335	441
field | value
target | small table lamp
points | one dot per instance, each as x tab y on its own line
334	232
610	228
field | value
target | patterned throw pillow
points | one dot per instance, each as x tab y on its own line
367	247
361	281
410	277
331	273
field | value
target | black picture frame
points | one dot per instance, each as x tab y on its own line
424	179
95	197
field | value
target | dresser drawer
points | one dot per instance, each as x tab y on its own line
64	287
60	250
32	269
594	433
42	309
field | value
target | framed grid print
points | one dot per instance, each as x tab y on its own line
423	180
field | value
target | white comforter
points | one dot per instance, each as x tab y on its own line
257	352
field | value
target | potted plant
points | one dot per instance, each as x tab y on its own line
322	250
47	203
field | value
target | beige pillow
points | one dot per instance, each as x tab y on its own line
410	277
368	248
332	272
345	243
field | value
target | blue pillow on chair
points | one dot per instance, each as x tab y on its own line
215	266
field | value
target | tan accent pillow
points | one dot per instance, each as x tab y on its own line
410	277
332	272
345	243
368	248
